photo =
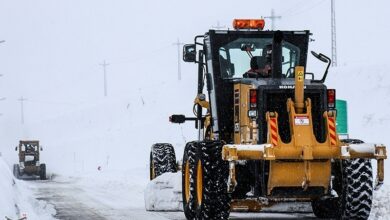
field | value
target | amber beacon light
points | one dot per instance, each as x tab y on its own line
248	24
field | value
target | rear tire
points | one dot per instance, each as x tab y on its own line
188	182
42	171
212	198
162	160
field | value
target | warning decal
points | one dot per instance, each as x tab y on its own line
301	120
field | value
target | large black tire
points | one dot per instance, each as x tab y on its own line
162	160
188	182
211	174
357	185
325	208
357	189
353	183
42	171
16	171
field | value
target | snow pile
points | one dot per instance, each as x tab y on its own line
380	205
164	193
16	200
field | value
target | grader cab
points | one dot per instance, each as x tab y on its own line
267	131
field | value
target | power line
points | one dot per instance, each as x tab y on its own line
104	65
148	54
178	44
293	8
303	8
273	17
2	99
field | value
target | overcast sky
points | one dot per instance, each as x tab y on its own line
53	47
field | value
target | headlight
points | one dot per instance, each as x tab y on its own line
21	165
252	113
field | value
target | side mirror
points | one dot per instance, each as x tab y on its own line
189	53
41	148
16	148
324	59
320	56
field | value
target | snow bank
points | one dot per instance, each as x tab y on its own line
380	206
17	201
164	193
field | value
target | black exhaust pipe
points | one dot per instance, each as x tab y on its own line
277	55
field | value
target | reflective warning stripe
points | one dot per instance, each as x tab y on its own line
274	131
332	131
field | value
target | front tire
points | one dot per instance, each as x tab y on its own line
211	174
353	183
354	186
162	160
188	182
357	186
42	171
357	189
16	171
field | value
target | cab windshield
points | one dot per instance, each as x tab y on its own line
235	56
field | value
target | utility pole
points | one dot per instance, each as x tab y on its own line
21	109
218	26
104	65
2	99
178	44
333	22
273	17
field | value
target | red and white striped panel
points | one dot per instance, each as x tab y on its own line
274	131
332	131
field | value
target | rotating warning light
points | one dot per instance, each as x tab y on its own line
248	24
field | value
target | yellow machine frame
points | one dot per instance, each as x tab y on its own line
303	162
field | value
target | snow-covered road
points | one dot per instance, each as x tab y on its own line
75	199
73	202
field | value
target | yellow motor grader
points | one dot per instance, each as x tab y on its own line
29	160
266	131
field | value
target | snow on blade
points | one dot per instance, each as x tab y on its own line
164	193
249	147
363	148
